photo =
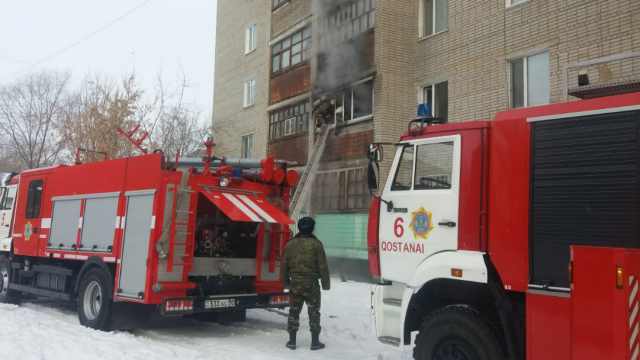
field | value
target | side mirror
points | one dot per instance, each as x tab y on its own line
376	154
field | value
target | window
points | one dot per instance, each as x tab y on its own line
515	2
437	99
434	165
289	120
34	198
434	16
276	4
355	103
246	152
346	21
250	38
530	81
291	51
404	173
7	200
249	93
341	190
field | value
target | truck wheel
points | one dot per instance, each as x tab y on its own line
6	295
95	299
456	333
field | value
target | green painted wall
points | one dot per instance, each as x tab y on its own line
343	235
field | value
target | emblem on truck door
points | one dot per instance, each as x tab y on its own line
421	223
28	230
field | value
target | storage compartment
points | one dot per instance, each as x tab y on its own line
225	252
584	189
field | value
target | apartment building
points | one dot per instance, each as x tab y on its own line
241	85
365	65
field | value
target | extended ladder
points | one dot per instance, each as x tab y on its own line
302	190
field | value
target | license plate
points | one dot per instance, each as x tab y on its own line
219	303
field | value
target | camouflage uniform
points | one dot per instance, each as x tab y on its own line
304	263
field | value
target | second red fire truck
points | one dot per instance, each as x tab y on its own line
514	238
128	236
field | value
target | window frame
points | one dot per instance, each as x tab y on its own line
423	15
433	99
34	202
525	75
451	166
289	115
399	162
513	3
250	39
246	151
277	4
249	93
351	91
304	52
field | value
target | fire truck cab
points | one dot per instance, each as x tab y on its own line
516	238
126	237
7	200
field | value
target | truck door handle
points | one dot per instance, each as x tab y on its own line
447	223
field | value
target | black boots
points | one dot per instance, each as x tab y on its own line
292	340
315	341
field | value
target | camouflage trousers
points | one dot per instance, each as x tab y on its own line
301	292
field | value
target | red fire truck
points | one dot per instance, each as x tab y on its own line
129	235
513	238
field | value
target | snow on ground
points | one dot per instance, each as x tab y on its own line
49	331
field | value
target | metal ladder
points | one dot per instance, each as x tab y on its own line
309	173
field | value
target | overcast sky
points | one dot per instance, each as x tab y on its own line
112	38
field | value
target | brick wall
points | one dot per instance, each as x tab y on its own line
290	83
347	146
292	148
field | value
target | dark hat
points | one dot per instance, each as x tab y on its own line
306	225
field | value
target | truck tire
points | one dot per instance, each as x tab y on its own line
95	299
7	296
456	333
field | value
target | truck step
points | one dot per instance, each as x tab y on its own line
40	292
389	340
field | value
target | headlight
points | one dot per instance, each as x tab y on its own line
224	181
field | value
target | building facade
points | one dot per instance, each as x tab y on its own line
365	66
241	84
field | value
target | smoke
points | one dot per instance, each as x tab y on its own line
344	50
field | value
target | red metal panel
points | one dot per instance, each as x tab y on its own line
548	327
278	216
509	202
599	308
226	206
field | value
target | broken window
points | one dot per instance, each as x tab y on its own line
437	99
434	16
289	120
291	51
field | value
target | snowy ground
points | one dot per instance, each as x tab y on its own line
46	331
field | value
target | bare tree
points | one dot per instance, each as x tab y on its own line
29	111
177	128
94	114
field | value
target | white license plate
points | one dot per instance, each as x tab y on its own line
219	303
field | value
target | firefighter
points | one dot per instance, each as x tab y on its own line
304	263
